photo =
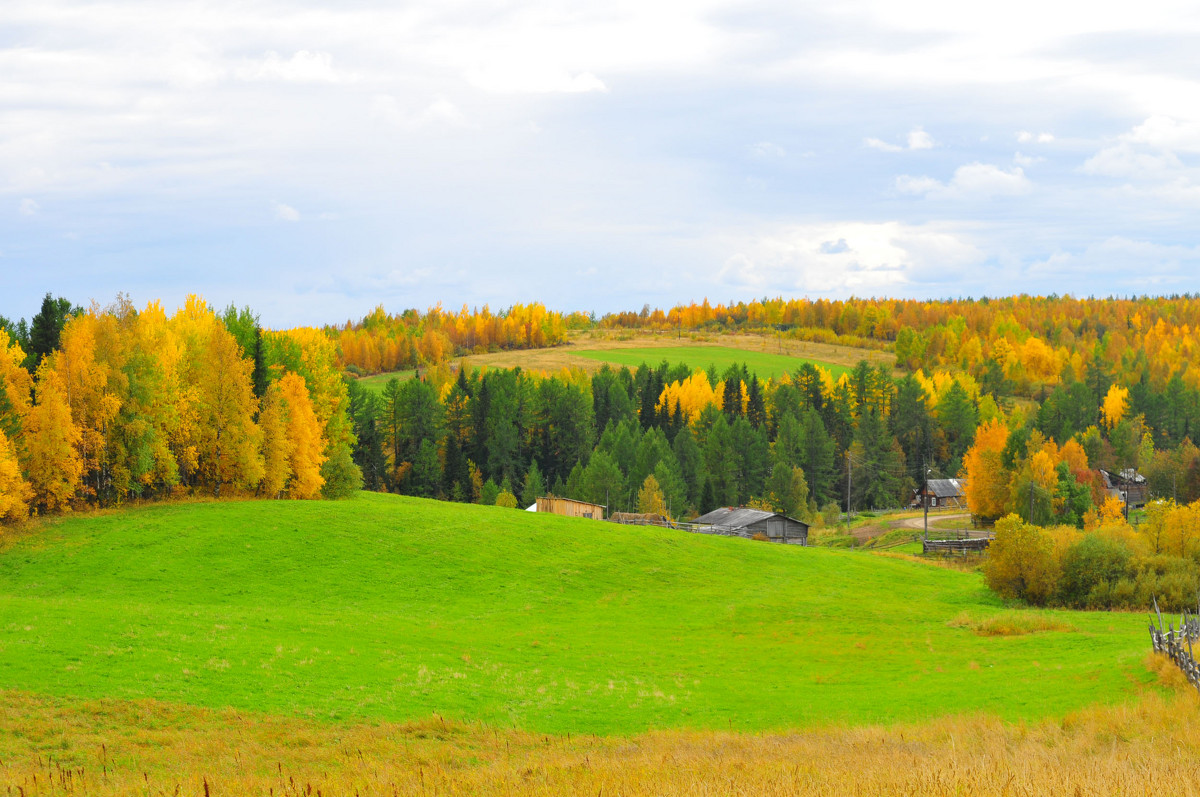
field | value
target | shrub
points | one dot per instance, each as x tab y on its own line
342	477
1091	569
1021	562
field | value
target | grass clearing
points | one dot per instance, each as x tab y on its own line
390	609
766	365
584	349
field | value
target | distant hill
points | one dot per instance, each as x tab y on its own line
393	608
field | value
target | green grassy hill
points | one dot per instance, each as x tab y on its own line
764	364
393	608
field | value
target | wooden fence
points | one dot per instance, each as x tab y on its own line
957	541
1176	644
962	547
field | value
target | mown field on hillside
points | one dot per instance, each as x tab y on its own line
765	356
762	364
392	608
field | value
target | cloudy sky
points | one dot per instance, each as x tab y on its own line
314	159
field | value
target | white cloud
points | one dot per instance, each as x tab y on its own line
28	207
848	257
1026	137
1166	133
1126	260
766	150
1147	153
972	181
1127	161
441	111
528	78
1027	160
875	143
303	67
285	212
917	139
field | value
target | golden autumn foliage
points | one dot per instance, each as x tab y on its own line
385	342
986	485
16	384
650	498
277	446
139	404
84	378
52	463
15	492
692	395
1031	341
306	446
1114	406
228	440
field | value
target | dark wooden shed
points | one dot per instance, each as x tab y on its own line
1127	485
744	521
940	494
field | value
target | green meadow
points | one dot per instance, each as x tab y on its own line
386	608
763	364
376	382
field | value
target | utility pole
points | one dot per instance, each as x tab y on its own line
925	494
849	467
1031	500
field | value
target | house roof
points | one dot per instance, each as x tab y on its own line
1128	475
739	517
945	488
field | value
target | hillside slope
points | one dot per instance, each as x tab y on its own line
393	608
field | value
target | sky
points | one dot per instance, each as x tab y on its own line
315	159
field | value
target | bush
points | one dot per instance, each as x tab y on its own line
1091	569
1021	562
342	477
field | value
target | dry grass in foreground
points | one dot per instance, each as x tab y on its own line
51	746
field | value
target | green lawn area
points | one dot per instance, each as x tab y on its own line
376	382
764	364
391	608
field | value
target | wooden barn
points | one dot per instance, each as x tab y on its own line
743	521
940	494
570	507
1127	486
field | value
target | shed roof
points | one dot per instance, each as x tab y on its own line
739	517
945	488
1128	475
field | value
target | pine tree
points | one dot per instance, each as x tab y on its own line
342	477
533	488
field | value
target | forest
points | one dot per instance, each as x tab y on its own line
107	405
112	404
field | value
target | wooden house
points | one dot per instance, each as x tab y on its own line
570	507
743	521
940	494
1127	486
